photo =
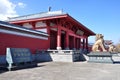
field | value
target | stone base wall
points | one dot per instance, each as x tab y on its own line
2	59
53	55
100	57
58	56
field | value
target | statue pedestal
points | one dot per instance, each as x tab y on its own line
100	57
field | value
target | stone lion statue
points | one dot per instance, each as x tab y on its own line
118	47
112	48
99	42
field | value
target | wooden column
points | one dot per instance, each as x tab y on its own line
74	42
67	40
87	43
80	43
33	25
59	38
48	31
77	43
83	43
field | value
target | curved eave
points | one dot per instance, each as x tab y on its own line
81	26
39	19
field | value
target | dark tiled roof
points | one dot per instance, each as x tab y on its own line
8	25
38	15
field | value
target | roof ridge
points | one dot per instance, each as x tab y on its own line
47	12
26	15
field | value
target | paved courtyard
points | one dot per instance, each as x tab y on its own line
65	71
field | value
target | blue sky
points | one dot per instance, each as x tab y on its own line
101	16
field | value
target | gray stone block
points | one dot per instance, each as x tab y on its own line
100	57
116	57
3	59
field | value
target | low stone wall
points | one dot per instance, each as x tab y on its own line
53	55
42	57
2	59
58	56
116	58
100	57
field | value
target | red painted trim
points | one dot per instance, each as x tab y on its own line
40	27
39	19
53	26
77	35
65	29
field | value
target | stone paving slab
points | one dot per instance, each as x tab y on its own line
65	71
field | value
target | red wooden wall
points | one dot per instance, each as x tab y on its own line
8	40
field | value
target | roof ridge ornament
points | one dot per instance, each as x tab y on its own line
49	9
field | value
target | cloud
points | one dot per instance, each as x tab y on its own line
8	9
21	5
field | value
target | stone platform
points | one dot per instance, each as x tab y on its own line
58	56
100	57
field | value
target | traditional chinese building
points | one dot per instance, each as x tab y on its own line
52	30
64	31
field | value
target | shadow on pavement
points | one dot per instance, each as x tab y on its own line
5	69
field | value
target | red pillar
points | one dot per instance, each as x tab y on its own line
87	43
48	31
80	43
67	40
59	38
74	42
33	26
83	43
77	43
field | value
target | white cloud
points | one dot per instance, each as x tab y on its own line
21	5
7	9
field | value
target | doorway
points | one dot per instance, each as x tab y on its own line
53	39
63	40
